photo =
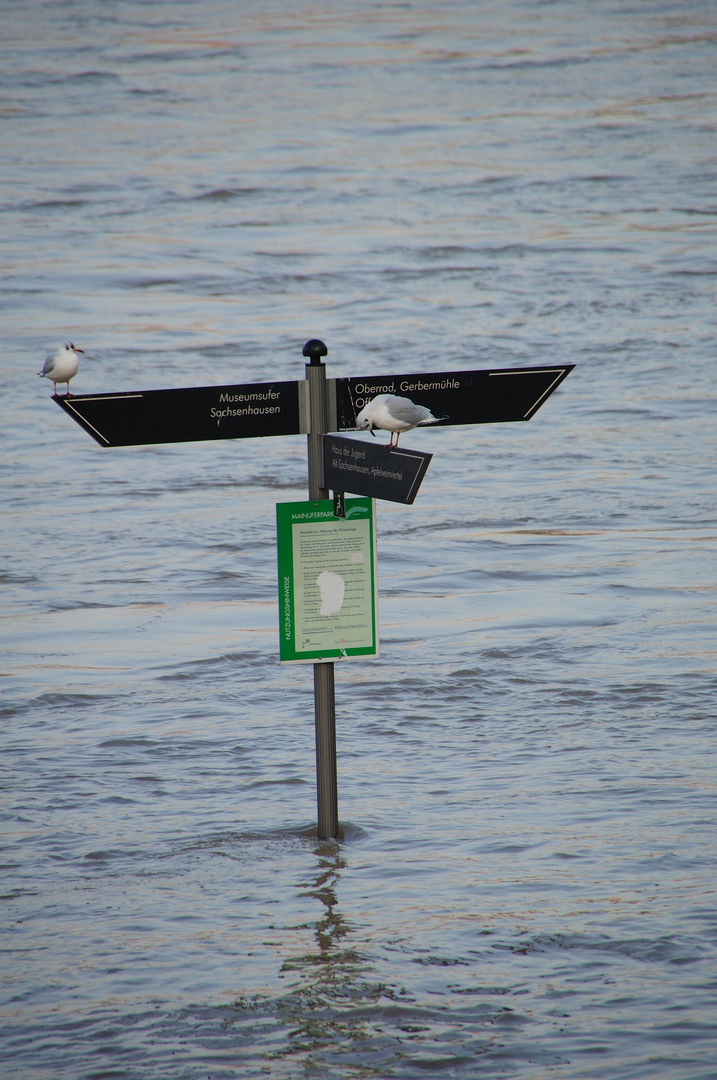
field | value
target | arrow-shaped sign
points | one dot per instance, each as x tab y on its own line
187	415
460	397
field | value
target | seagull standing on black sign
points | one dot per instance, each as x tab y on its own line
62	365
388	412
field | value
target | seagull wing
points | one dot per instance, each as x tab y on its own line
403	409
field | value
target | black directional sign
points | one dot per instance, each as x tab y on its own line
365	468
460	397
187	415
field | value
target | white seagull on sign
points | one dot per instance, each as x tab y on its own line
62	366
388	412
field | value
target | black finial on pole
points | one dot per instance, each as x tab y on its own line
315	349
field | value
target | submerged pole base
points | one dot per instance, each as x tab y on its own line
326	785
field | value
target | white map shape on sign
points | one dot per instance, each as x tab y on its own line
332	588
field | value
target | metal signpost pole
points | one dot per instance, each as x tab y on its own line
324	695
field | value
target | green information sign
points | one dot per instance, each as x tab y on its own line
328	581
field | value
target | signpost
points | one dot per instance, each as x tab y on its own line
327	561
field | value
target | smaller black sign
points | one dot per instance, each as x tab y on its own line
365	468
187	415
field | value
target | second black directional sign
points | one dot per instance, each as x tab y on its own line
460	397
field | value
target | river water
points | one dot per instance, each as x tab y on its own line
526	880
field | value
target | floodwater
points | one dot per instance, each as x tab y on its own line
525	886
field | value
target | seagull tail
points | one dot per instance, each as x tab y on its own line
432	420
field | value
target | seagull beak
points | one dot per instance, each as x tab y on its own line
79	350
372	432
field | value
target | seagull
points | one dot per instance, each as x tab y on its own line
62	366
395	414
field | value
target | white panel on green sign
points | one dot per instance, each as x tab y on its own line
328	606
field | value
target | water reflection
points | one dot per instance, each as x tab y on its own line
331	1008
331	928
